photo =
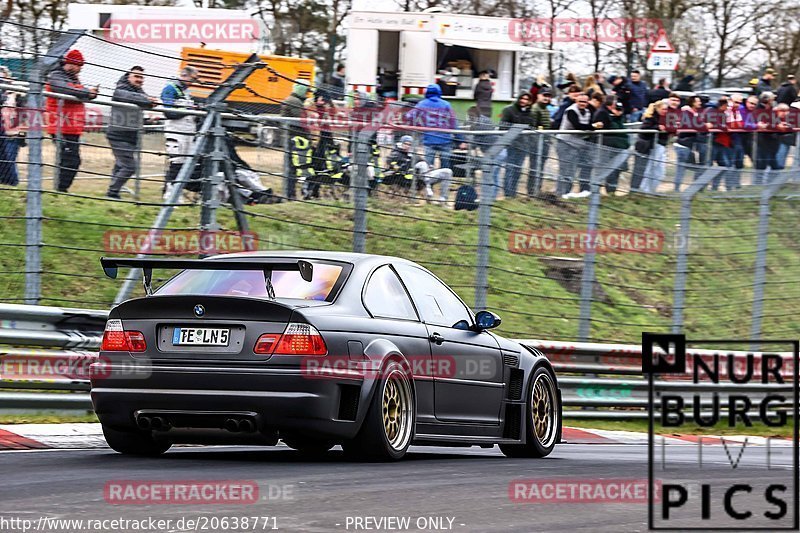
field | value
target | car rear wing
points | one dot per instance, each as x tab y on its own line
111	267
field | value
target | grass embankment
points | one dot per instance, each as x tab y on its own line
722	428
637	287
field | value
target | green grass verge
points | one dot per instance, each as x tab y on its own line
757	429
47	418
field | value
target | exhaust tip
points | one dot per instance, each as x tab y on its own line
232	425
144	422
247	426
159	423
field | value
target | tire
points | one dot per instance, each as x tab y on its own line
388	428
310	447
134	442
543	422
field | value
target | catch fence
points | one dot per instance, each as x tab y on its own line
626	248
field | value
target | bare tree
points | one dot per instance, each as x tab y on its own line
555	9
778	34
733	29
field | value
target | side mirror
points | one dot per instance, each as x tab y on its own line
486	320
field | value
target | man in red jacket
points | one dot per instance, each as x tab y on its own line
66	117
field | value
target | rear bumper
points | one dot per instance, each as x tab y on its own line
283	400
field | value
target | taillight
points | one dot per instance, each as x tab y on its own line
116	339
136	341
266	343
297	339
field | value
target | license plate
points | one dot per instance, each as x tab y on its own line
200	336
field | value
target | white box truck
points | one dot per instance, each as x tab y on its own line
398	54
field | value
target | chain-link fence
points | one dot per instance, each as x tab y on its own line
568	234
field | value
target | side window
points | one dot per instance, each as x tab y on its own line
386	297
437	304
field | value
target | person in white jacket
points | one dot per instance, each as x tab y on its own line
179	128
432	176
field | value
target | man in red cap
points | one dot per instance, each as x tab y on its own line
65	117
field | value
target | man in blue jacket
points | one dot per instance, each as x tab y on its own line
638	101
434	112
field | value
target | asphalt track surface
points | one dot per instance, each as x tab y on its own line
468	485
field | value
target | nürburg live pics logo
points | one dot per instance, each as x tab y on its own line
723	434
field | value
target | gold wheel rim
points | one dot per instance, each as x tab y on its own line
396	409
543	412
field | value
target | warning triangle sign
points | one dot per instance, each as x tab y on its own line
662	44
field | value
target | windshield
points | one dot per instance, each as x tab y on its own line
287	284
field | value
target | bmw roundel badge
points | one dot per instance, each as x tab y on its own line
199	310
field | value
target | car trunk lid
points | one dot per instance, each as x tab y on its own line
198	327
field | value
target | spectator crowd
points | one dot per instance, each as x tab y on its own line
585	132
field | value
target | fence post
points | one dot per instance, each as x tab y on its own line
587	281
486	199
33	201
681	270
758	176
287	159
33	206
137	184
761	254
362	156
211	181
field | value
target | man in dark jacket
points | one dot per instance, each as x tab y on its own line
765	83
517	113
638	101
658	93
608	118
620	87
540	117
483	94
66	118
125	126
787	92
337	83
400	173
686	83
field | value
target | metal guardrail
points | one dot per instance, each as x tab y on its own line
40	351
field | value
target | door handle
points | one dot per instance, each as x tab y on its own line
436	338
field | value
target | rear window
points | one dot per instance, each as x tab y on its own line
287	284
